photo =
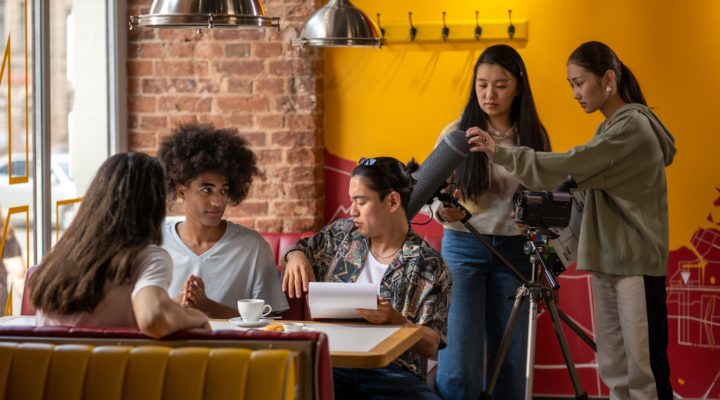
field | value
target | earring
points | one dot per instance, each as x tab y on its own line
608	89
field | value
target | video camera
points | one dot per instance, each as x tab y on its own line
545	209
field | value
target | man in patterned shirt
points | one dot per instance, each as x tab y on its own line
377	246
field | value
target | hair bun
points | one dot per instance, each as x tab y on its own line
411	166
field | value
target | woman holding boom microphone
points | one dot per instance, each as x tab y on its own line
502	103
624	234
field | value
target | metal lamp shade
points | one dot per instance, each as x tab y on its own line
205	14
339	24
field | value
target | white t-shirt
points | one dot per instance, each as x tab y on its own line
239	266
115	309
372	271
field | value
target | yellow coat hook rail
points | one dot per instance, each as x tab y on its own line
459	31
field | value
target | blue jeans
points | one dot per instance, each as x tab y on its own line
391	382
479	312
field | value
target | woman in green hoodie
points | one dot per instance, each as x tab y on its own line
624	233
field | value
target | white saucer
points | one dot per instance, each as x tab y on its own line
238	321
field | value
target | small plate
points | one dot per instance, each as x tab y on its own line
293	326
238	321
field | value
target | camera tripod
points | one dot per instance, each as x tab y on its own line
534	291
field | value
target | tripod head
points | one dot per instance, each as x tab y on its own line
535	250
547	233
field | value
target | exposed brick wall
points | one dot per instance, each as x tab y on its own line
253	80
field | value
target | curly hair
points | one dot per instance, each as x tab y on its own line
194	149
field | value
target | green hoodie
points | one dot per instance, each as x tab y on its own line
622	170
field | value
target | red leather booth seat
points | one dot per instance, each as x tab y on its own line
312	346
279	243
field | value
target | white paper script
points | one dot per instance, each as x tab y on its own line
339	300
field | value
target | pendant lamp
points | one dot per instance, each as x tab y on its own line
339	24
205	14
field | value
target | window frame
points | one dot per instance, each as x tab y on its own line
116	47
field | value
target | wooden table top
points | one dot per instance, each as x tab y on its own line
381	353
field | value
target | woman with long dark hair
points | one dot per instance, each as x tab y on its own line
108	268
501	102
624	232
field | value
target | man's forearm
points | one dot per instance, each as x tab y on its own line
428	345
220	311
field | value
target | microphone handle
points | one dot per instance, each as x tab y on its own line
450	201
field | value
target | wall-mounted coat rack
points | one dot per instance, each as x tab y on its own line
447	30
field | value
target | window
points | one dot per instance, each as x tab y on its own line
74	139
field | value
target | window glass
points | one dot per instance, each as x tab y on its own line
79	82
16	179
78	136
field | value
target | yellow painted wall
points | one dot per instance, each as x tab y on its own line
394	101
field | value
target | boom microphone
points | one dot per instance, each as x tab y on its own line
438	166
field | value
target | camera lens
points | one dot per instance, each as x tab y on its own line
519	199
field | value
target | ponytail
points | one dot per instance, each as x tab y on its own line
628	86
599	58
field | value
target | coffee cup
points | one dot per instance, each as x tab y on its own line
252	310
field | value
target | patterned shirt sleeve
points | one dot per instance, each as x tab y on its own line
434	302
320	249
419	286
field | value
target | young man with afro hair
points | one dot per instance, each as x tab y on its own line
216	262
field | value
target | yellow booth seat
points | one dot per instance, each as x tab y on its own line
31	371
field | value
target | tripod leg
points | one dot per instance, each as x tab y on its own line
505	342
554	316
571	324
532	331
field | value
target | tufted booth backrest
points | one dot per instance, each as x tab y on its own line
74	371
310	350
280	242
